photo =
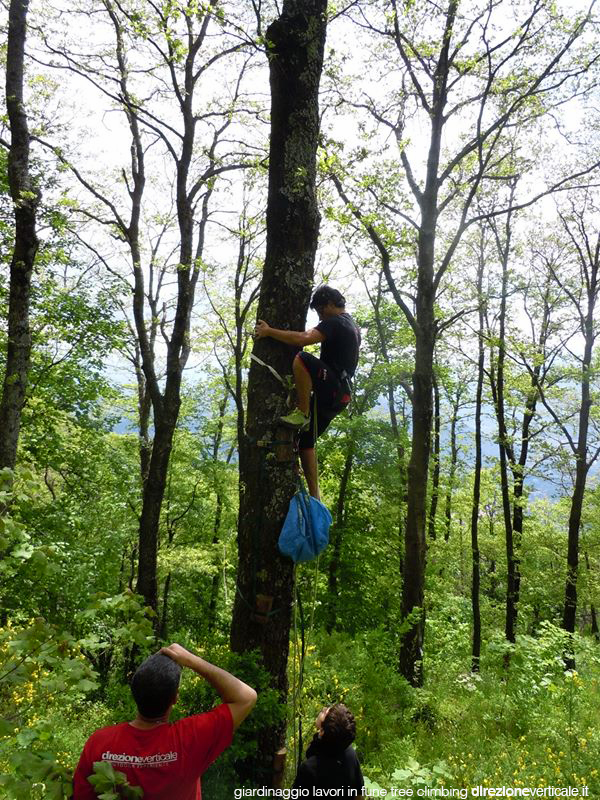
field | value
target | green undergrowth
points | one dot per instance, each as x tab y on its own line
522	721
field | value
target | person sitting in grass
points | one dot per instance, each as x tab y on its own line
322	384
167	759
331	762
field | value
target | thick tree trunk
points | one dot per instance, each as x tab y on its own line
25	197
413	577
262	609
154	490
144	409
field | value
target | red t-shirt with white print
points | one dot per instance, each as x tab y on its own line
165	761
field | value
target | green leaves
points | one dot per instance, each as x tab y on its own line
416	774
43	671
110	784
118	621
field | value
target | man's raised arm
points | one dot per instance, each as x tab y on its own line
298	338
240	697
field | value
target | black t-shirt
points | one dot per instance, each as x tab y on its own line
327	769
339	350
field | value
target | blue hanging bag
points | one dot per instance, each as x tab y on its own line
305	532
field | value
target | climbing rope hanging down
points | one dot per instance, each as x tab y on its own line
298	662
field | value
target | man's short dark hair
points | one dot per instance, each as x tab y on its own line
154	685
339	727
327	294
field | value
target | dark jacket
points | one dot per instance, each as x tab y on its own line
327	768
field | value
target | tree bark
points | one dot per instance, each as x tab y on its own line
219	491
514	524
475	559
504	445
506	450
435	481
413	577
25	197
337	532
268	479
216	578
425	328
593	615
453	462
582	466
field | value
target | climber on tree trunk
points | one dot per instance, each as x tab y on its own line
323	385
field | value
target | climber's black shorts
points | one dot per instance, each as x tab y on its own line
329	397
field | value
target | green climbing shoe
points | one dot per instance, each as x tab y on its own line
297	419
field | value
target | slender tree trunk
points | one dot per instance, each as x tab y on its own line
593	616
262	608
581	471
504	445
511	614
594	623
25	197
335	543
165	608
214	585
570	602
413	575
518	472
453	463
588	253
390	388
216	579
435	482
514	525
582	463
475	561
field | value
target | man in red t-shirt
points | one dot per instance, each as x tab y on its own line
167	759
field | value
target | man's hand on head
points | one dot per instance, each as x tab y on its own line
240	697
178	654
262	329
